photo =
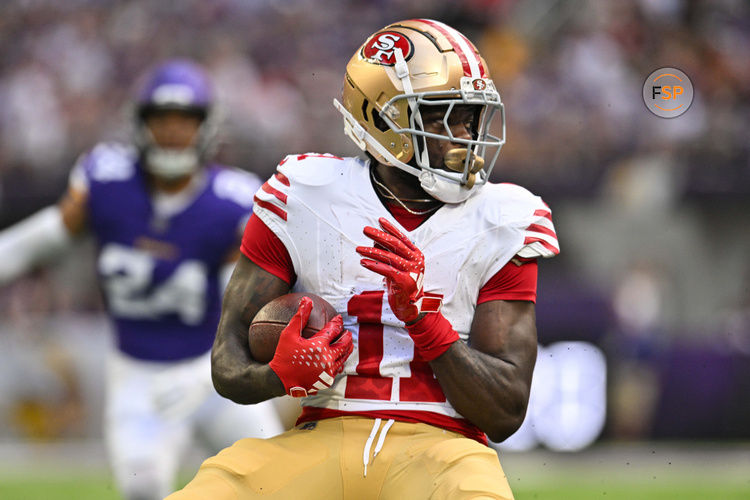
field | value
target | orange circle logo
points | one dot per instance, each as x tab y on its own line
668	92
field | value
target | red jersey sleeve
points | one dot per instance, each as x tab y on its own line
512	282
263	247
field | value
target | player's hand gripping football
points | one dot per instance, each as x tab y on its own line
402	265
303	365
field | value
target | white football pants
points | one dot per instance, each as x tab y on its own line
155	410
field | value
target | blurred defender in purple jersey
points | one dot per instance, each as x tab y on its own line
168	225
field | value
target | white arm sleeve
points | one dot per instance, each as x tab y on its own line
31	241
224	274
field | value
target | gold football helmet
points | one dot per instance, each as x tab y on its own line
397	73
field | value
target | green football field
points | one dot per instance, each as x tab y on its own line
609	472
580	488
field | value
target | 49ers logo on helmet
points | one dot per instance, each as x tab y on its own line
479	84
381	48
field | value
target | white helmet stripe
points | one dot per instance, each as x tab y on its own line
473	66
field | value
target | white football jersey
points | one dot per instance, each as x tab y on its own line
318	206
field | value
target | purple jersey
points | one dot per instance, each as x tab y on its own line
159	269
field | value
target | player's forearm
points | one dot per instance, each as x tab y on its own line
236	375
32	241
491	393
247	384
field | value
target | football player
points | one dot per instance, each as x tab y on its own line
168	223
432	269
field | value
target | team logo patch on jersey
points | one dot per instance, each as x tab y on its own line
381	48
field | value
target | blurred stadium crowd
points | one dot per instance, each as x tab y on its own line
651	212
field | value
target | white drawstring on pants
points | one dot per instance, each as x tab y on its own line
379	444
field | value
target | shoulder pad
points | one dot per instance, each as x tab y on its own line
313	169
236	185
515	206
507	203
111	162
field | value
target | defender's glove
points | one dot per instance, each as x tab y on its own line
402	265
303	365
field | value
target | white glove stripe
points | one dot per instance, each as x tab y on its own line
326	378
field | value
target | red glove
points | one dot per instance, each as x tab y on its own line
402	265
303	365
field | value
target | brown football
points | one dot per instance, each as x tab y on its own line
266	327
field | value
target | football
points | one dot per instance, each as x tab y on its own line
264	331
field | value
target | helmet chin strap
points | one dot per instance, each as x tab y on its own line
167	163
443	189
171	164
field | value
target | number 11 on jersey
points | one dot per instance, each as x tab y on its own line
374	378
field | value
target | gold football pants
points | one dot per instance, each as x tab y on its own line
352	458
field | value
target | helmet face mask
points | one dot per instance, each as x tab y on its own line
181	86
482	148
412	68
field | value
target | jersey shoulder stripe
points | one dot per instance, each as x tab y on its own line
540	237
512	205
272	196
295	197
274	209
280	195
293	173
282	178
